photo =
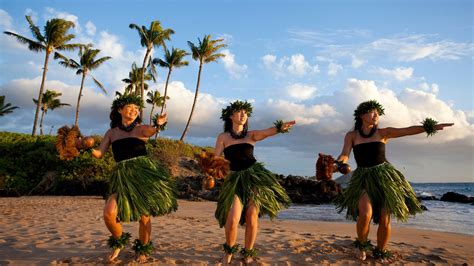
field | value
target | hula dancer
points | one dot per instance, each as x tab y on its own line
377	190
250	190
139	188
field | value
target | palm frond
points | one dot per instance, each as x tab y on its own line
35	30
99	61
68	47
32	45
99	84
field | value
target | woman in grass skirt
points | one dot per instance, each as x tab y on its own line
138	187
377	190
250	190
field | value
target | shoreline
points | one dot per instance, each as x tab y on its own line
68	229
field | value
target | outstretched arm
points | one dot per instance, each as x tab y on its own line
346	150
258	135
149	130
103	147
391	132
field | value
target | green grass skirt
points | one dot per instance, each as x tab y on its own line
255	184
143	188
386	188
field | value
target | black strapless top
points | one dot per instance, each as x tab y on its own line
369	154
128	148
240	156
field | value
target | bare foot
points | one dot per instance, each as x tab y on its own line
114	255
248	261
141	259
226	259
361	255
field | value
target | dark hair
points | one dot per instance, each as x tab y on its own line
228	125
358	123
116	118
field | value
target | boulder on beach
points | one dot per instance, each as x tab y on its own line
456	197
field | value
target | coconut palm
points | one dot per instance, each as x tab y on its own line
87	63
155	36
55	38
5	108
49	101
155	99
205	52
134	80
173	59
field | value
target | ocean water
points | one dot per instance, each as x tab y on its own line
441	216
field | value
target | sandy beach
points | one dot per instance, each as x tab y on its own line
70	230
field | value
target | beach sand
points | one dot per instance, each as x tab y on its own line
70	230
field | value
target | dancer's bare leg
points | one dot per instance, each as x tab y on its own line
251	228
384	231
363	222
110	219
144	232
231	226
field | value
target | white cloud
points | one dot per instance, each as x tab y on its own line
235	70
399	73
309	115
418	47
299	66
433	88
90	28
333	69
300	91
110	43
295	65
6	21
357	62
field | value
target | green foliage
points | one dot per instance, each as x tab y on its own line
31	165
429	125
169	151
26	162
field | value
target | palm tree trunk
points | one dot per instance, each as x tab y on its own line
41	122
79	98
151	113
194	104
40	96
166	91
142	89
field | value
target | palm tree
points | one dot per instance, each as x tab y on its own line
49	101
134	80
155	99
204	52
172	60
87	63
155	36
5	108
55	37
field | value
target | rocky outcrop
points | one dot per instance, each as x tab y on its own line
456	197
300	190
308	191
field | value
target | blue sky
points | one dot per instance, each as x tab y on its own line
312	61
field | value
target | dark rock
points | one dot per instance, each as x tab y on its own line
190	187
423	207
456	197
305	191
427	198
300	190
